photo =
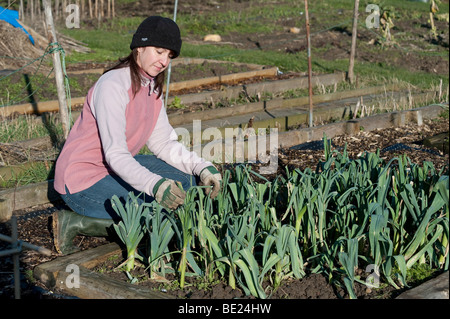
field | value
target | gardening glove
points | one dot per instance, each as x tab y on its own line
210	176
169	194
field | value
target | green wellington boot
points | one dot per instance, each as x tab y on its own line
67	224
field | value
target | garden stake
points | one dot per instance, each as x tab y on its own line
350	74
309	66
58	70
169	71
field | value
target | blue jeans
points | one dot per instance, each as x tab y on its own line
95	201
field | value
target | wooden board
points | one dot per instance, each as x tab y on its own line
92	285
440	142
230	92
228	78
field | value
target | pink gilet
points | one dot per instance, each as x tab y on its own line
112	129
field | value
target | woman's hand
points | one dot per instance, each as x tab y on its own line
210	176
169	194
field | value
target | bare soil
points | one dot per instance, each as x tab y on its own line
312	286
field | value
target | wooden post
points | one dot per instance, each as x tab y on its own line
56	9
16	261
82	12
63	8
433	10
309	66
169	71
350	74
32	10
21	11
38	11
63	112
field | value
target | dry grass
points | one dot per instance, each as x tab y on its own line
16	50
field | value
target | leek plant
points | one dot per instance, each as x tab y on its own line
185	230
443	190
160	233
130	228
286	254
207	229
349	262
240	242
244	268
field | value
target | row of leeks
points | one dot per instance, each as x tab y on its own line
344	215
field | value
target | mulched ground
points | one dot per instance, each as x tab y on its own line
33	223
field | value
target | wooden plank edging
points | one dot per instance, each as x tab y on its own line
52	106
279	103
229	92
59	272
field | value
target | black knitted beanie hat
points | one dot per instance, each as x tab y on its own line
158	32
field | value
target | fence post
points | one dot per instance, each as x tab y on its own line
309	66
15	257
350	74
21	11
63	112
169	71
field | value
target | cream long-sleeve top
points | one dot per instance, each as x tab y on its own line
112	128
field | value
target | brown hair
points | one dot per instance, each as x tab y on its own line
136	77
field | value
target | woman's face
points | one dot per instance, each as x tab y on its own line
153	60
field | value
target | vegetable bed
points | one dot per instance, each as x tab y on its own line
353	222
